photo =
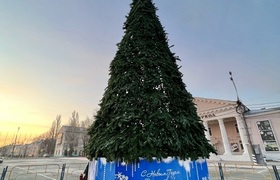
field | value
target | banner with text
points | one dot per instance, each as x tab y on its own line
167	169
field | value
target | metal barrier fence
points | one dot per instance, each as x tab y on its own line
47	171
4	173
74	170
217	171
213	171
242	171
276	172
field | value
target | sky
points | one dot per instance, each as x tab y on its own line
55	55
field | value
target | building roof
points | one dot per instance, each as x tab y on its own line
207	105
262	111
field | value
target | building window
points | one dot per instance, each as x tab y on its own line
236	128
267	135
241	145
210	132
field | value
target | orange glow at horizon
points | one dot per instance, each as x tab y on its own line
23	137
18	111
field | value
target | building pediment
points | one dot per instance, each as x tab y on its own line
210	108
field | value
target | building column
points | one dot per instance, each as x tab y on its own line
224	137
207	134
242	132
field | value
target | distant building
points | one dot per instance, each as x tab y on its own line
27	150
71	141
6	150
33	149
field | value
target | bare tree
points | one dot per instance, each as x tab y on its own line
49	138
52	136
72	133
86	124
41	137
57	125
52	131
74	120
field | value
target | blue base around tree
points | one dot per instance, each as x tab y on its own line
167	169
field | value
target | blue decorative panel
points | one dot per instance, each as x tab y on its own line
167	169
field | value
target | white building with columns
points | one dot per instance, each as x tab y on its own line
226	129
232	134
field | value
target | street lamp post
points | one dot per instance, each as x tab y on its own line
241	109
15	143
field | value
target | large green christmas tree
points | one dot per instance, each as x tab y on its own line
146	110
